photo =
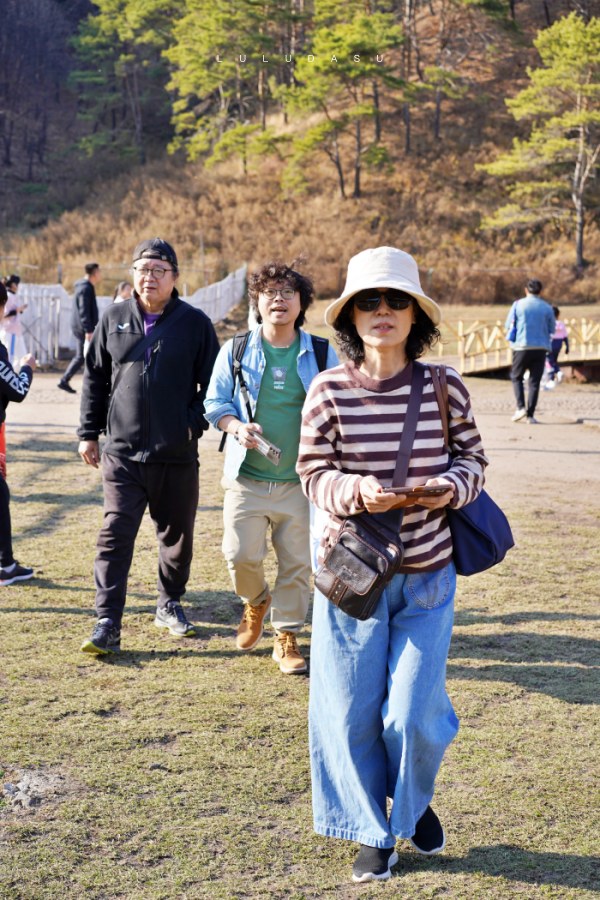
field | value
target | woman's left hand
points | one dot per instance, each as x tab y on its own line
442	499
376	499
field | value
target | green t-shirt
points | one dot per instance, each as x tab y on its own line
278	411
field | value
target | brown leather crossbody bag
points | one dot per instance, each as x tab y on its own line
367	551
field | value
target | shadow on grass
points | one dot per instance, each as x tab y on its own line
527	647
136	658
572	684
218	607
473	617
509	862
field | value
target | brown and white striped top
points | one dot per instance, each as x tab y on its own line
351	427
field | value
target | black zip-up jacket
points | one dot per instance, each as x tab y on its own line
158	401
84	312
12	386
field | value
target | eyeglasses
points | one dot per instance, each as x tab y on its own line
370	299
157	272
285	293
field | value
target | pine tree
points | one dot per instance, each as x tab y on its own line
123	75
553	169
228	59
340	78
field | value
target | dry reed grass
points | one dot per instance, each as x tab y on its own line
217	220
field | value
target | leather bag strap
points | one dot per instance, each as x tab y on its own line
440	386
410	425
393	517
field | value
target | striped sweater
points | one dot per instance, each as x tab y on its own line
351	428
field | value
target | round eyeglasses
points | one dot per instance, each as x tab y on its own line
285	293
157	272
370	299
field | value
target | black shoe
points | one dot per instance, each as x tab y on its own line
373	863
429	837
106	638
173	617
65	386
15	573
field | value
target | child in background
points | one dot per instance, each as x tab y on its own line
123	291
559	338
11	330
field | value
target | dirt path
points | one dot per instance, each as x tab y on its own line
525	460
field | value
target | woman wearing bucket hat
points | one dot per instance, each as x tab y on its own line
380	717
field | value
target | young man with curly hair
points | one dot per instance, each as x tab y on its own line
261	492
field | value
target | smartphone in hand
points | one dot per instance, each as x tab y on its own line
421	490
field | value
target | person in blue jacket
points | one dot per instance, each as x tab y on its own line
531	323
263	492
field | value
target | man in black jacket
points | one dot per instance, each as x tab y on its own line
146	375
84	318
14	387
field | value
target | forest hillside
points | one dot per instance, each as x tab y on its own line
240	131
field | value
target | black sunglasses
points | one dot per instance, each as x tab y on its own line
369	299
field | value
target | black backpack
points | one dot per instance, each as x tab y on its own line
240	340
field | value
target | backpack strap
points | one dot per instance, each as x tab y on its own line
240	341
321	349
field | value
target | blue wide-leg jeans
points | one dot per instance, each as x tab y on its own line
380	719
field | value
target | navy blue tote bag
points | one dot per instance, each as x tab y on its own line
481	535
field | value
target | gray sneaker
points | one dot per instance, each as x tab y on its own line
106	638
173	617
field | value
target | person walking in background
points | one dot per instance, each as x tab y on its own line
151	358
84	318
13	387
532	323
122	292
559	338
380	718
263	492
12	327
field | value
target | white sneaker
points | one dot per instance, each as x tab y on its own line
549	385
518	415
559	377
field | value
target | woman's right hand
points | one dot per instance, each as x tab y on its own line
376	499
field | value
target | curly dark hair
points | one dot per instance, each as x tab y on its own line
3	294
422	336
279	271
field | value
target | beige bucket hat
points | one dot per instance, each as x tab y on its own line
383	267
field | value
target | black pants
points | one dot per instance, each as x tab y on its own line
534	360
78	360
6	553
171	494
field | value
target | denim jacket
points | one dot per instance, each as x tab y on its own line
219	401
535	323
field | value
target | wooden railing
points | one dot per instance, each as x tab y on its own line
481	346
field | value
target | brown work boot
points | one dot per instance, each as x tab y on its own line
286	653
250	628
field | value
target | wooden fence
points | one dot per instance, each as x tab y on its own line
47	319
482	346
